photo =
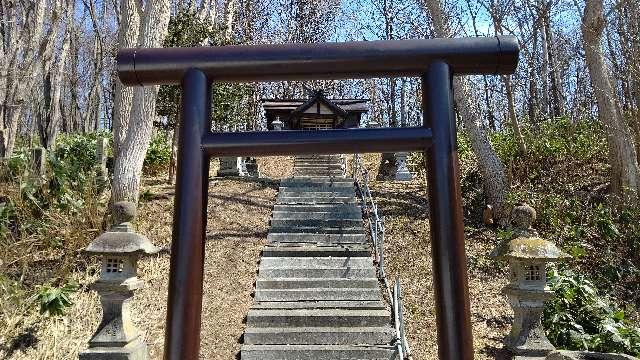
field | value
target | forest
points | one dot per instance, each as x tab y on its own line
561	134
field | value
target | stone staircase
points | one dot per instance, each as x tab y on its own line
317	295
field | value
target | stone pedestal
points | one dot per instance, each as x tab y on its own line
402	172
231	166
136	350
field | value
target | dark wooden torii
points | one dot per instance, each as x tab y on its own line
435	61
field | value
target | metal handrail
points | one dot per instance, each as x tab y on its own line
377	232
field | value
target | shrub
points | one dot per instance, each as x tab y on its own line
158	155
577	318
53	300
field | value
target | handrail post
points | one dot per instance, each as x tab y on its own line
447	229
182	334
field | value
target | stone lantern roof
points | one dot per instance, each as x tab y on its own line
527	244
533	248
121	238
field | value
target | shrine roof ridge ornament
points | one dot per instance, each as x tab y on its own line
357	59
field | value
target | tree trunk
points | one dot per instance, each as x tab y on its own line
556	87
54	115
625	174
123	95
135	138
491	167
522	147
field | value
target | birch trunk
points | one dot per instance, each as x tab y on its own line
625	174
135	138
24	42
54	116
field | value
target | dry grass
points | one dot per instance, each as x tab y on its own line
408	256
239	213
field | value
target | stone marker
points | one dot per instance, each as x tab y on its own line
528	256
232	166
402	172
120	248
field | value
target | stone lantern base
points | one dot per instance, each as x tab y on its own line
136	350
530	339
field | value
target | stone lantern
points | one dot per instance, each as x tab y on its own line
277	124
528	256
120	248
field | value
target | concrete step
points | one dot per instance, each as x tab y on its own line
318	173
318	164
352	213
318	157
357	305
297	238
312	200
311	251
318	230
318	168
321	164
317	192
319	335
318	294
315	262
317	318
310	283
317	182
315	352
279	223
328	272
318	208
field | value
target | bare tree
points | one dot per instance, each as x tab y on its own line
497	9
625	175
491	168
134	120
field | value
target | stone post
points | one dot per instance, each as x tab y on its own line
528	256
120	248
102	144
402	172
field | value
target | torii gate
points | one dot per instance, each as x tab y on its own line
436	61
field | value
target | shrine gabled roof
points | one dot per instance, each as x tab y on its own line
348	105
318	97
